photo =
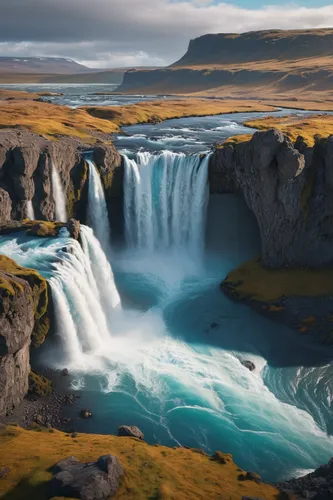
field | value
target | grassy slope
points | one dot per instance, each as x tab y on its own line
151	472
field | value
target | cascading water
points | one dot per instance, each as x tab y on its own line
30	210
97	209
85	300
161	366
166	198
58	196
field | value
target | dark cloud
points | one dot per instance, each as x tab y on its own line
120	32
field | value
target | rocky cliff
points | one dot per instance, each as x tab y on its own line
288	186
23	319
273	61
26	163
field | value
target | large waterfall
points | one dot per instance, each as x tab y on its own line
97	209
165	201
58	196
85	299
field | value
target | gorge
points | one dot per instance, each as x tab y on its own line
153	341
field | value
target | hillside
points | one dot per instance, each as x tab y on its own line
41	65
261	62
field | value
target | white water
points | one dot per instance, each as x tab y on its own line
58	196
85	300
165	201
30	211
97	209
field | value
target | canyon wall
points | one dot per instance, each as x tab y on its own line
289	189
26	163
23	320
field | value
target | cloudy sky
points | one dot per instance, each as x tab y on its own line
114	33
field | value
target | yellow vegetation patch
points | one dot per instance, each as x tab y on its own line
151	472
156	111
253	280
293	126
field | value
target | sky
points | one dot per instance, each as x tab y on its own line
122	33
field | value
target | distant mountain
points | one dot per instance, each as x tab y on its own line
41	65
251	63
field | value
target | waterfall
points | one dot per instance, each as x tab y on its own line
30	211
58	196
165	201
85	299
97	209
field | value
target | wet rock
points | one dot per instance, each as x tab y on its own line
73	227
130	431
65	372
87	481
317	485
249	365
85	413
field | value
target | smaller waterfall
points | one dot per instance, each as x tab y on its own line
30	211
85	299
58	196
97	209
165	201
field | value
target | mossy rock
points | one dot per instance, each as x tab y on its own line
39	385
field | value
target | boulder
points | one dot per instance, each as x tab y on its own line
249	365
130	431
73	227
85	413
87	481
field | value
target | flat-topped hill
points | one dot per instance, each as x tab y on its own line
279	45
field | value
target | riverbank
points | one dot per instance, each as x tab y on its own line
150	471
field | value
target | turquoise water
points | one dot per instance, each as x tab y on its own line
167	370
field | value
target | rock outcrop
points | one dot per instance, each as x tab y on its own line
23	319
130	431
88	481
318	485
289	189
26	164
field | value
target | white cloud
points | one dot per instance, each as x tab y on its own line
135	31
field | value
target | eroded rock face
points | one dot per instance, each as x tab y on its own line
289	189
23	318
88	481
26	165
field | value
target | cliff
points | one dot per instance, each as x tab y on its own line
23	319
260	62
26	162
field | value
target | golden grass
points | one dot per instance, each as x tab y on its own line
252	280
294	126
156	111
151	472
50	120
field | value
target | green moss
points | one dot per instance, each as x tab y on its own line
39	385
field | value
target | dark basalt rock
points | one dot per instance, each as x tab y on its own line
130	431
249	364
87	481
316	486
289	189
85	413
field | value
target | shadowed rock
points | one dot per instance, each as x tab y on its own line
87	481
130	431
